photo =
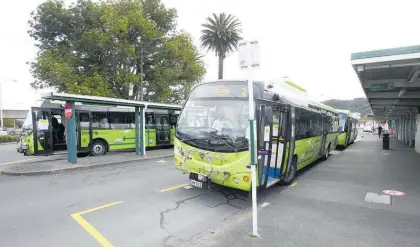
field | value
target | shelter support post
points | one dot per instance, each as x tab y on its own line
139	127
136	116
417	135
142	132
72	136
404	129
410	141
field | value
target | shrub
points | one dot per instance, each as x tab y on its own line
7	138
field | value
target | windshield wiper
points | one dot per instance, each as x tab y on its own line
227	142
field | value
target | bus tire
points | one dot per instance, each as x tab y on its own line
327	153
98	148
290	177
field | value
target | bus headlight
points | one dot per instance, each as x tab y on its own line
236	181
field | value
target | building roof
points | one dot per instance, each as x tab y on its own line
389	79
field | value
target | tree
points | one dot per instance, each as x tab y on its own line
96	48
221	34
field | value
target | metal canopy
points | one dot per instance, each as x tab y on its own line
97	100
390	80
139	106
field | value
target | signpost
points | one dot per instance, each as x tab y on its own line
68	111
249	59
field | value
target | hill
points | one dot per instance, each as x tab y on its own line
355	105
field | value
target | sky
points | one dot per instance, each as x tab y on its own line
308	41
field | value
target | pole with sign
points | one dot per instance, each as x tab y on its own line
69	114
249	59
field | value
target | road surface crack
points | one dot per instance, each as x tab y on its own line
229	198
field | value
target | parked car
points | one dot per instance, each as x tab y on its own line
3	132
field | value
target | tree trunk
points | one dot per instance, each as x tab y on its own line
221	58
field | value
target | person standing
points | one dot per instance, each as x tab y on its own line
379	131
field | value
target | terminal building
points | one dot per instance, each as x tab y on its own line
391	82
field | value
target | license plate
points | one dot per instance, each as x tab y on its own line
196	183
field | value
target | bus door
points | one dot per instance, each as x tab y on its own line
42	134
326	121
84	130
349	131
163	129
173	121
268	174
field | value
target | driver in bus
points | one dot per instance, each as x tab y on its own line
221	123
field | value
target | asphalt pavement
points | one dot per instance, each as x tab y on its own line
140	204
9	154
148	203
328	205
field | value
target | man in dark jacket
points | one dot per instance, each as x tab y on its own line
379	131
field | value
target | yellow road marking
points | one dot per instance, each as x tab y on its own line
293	185
89	228
15	162
173	188
100	207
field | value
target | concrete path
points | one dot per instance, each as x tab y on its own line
58	163
327	206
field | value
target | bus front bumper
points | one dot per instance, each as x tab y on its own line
218	175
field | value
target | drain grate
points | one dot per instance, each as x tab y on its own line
378	198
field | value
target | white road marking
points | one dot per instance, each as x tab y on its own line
265	204
188	187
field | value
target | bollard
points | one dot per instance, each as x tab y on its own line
385	141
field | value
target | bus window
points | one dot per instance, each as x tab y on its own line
149	119
84	120
100	120
165	121
119	120
174	120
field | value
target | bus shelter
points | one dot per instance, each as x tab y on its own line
70	112
391	82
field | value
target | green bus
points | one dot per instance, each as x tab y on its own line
99	128
212	141
347	128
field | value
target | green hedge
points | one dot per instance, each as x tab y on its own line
8	138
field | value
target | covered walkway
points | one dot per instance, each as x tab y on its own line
390	79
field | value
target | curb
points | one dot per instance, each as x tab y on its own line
79	167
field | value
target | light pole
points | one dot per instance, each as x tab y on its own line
1	102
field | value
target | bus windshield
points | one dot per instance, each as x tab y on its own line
27	124
342	121
215	124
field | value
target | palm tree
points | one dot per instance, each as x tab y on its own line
221	34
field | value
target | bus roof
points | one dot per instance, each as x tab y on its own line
97	100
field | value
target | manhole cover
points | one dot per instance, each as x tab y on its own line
378	198
393	192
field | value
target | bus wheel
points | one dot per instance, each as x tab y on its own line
98	148
288	179
327	154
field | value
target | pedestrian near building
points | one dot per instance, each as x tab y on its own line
379	131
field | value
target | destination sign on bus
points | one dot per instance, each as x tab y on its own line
219	90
